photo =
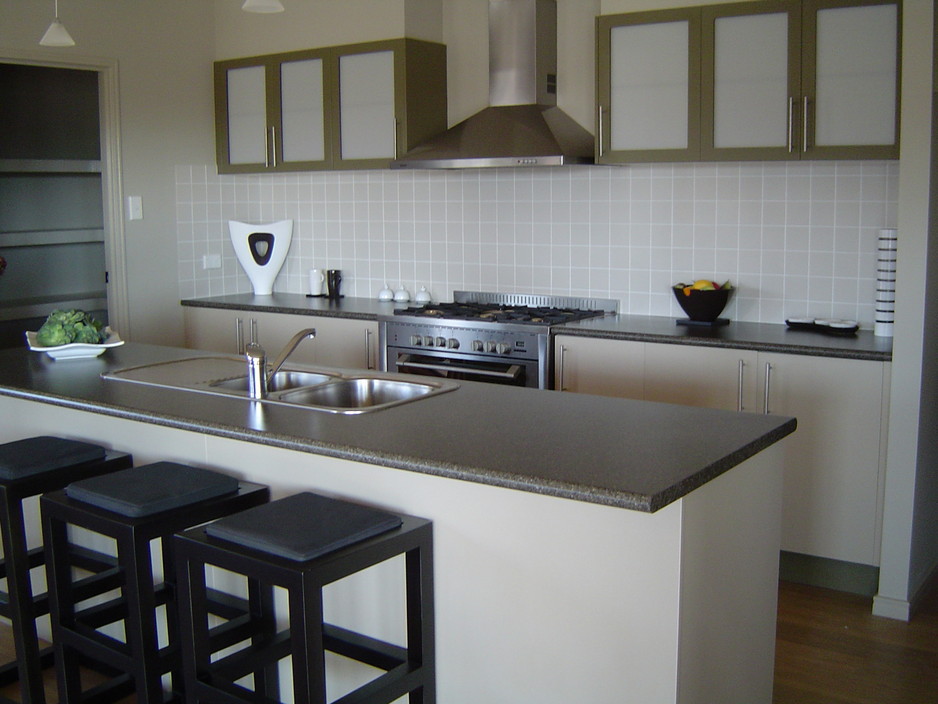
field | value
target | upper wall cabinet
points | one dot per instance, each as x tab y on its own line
648	86
774	79
354	106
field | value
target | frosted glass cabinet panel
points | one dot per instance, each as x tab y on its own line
758	80
356	106
247	115
366	105
302	111
856	70
751	80
648	85
648	106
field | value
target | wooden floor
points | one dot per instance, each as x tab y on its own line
829	650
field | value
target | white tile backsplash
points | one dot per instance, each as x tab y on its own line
795	238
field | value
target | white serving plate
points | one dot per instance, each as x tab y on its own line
76	350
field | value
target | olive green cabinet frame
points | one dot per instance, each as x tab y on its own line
605	24
419	96
802	48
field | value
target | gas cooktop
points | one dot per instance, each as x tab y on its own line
499	313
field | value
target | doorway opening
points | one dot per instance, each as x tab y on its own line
57	222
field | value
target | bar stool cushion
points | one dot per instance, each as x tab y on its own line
303	526
44	453
152	488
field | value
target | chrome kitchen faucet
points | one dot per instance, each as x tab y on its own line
258	375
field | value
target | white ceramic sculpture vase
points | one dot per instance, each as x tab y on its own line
261	249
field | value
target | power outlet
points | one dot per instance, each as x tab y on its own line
211	261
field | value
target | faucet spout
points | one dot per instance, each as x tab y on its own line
257	370
294	342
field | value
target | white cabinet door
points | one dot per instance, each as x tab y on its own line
302	112
834	461
217	329
339	342
709	377
367	116
346	342
602	367
247	116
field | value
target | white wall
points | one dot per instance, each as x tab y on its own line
910	546
163	52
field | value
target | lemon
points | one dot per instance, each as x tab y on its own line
703	285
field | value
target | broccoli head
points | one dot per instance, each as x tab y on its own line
66	326
52	334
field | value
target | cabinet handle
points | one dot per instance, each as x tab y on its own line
273	144
804	126
239	335
395	125
253	331
599	109
791	123
768	382
368	364
560	363
739	385
266	148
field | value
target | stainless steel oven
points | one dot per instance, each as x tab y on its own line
453	351
494	338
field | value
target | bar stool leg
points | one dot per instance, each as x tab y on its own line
261	605
420	629
58	571
306	639
141	618
19	586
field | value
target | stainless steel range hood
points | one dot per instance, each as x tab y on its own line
522	125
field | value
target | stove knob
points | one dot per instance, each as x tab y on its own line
477	345
416	340
452	343
441	342
428	341
490	346
503	348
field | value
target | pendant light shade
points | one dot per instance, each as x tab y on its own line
57	35
262	6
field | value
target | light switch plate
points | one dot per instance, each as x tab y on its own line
211	261
134	208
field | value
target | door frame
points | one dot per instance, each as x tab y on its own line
111	181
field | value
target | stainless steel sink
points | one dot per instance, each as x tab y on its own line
332	390
281	381
360	394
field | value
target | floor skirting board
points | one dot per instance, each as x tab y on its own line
831	574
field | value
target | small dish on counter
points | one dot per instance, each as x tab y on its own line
827	326
75	350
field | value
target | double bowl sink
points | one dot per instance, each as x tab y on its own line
333	391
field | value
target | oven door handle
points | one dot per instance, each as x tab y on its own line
512	372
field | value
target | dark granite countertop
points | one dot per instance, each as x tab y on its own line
298	304
630	454
763	337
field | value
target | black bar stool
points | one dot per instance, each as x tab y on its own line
300	544
131	508
28	468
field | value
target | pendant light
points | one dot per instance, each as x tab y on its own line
262	6
57	35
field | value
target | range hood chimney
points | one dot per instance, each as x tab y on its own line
522	125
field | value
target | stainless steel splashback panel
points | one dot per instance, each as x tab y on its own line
609	305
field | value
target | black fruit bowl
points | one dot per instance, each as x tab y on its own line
702	305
